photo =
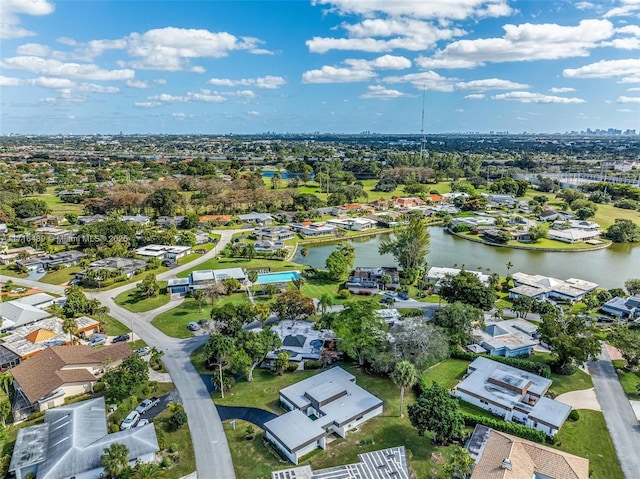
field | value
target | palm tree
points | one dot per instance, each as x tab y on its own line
252	276
70	326
405	376
198	295
304	251
325	302
115	459
6	379
147	470
298	283
386	279
5	409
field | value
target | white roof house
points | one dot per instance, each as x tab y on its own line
38	300
163	251
510	338
16	314
333	398
71	441
437	274
513	394
543	287
300	339
200	279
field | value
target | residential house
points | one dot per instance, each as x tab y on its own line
623	307
474	221
37	300
203	278
407	202
544	287
258	218
127	266
351	208
273	233
9	256
576	225
573	235
508	201
61	259
368	280
46	379
4	229
138	219
162	251
354	224
71	441
91	219
309	229
513	394
510	338
167	221
16	314
268	246
327	403
40	221
435	275
389	463
202	237
29	339
300	340
497	455
388	219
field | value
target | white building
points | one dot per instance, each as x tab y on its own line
512	394
544	287
436	274
354	224
163	251
336	403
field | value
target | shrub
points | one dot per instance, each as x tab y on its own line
99	387
292	367
173	447
162	439
536	368
344	293
313	364
470	420
167	461
574	415
113	428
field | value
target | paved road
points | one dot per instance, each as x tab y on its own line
621	421
250	414
213	458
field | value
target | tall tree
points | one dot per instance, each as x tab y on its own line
410	245
148	287
292	305
360	330
69	326
198	295
467	288
255	346
217	349
436	411
418	342
633	286
325	302
572	341
252	276
6	379
458	320
627	340
404	376
459	465
340	261
115	459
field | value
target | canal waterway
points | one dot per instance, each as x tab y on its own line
609	267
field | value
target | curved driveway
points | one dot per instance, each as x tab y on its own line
213	458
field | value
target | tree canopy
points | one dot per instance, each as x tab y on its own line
340	262
572	341
458	319
623	231
360	329
467	288
293	305
418	342
410	245
436	411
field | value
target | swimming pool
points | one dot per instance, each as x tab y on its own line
283	277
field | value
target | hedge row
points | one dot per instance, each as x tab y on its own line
519	430
536	368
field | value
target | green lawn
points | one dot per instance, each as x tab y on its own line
174	322
589	437
447	373
628	379
7	271
112	326
132	301
54	202
562	384
182	438
218	263
134	279
61	276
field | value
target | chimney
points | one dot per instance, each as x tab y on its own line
506	464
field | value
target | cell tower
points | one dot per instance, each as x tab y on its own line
423	139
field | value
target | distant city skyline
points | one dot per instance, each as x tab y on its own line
331	66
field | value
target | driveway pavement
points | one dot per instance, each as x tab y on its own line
619	416
582	399
253	415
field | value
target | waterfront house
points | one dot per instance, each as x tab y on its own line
544	287
161	251
201	279
623	307
497	455
309	229
368	280
510	338
354	224
436	274
258	218
513	394
273	233
71	440
327	403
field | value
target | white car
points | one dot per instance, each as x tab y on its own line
130	421
147	404
142	422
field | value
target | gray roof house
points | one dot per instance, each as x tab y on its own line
260	218
623	307
510	338
16	314
513	394
300	340
333	398
71	440
128	265
383	464
38	300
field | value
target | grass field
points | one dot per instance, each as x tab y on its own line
132	301
112	326
446	373
7	271
589	437
57	206
628	379
61	276
562	384
217	263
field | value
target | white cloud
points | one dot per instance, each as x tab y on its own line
561	90
385	62
147	104
329	74
625	110
629	99
626	9
11	11
179	116
633	89
424	80
432	9
525	42
584	5
138	84
628	68
33	49
160	81
9	81
253	113
629	43
172	49
381	93
490	84
93	88
528	97
475	96
205	96
41	66
459	110
268	81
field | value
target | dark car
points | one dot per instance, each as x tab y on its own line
119	339
201	251
167	262
193	326
403	296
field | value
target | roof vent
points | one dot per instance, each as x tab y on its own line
506	464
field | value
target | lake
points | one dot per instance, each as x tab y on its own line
609	267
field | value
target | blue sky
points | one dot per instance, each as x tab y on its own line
78	67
